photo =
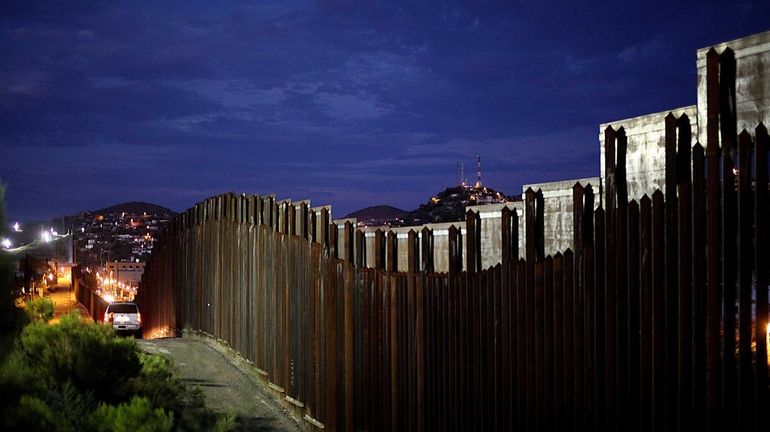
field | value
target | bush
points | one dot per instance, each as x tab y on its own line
88	356
159	383
40	310
80	376
137	415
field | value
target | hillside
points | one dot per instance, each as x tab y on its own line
450	205
136	207
120	232
379	215
447	206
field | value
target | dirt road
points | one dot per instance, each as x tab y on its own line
225	385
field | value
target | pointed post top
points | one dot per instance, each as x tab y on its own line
645	200
761	129
728	53
621	131
697	147
670	116
609	129
744	135
712	52
577	185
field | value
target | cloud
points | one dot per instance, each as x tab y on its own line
643	51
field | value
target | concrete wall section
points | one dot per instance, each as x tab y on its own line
557	213
752	86
646	155
491	231
440	244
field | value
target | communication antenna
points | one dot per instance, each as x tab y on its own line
457	173
461	174
478	171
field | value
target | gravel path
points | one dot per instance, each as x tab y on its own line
224	384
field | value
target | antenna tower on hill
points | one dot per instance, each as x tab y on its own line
478	171
460	174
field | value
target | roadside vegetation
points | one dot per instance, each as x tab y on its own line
78	376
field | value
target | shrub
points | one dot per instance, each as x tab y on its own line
137	415
89	356
158	382
40	310
34	414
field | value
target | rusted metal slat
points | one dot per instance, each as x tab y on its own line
522	335
745	282
646	296
622	307
761	259
610	326
634	322
589	318
713	418
659	310
728	126
506	355
672	292
600	318
553	315
684	276
699	236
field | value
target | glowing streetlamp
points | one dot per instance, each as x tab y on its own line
6	243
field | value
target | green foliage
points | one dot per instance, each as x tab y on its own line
88	356
11	318
137	415
77	376
226	422
40	310
159	383
32	413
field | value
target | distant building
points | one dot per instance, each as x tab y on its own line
129	273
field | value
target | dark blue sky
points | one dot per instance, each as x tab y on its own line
350	103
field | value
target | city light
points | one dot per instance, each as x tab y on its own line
6	243
46	236
17	227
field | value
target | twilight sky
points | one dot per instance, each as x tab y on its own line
349	103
